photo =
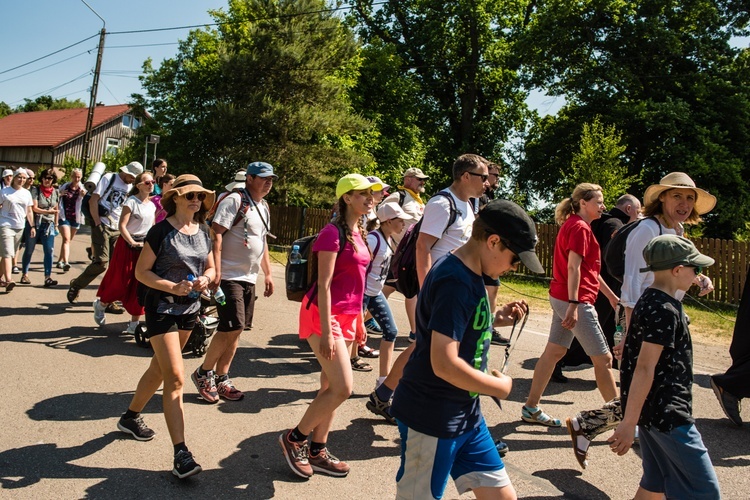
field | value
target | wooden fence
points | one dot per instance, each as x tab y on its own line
728	274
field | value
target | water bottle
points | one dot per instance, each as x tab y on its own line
618	334
295	257
620	328
219	296
193	294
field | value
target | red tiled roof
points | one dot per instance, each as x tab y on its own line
52	128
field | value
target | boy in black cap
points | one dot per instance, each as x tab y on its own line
436	402
656	378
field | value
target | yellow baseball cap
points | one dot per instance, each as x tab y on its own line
352	182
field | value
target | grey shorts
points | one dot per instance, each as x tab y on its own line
10	239
587	330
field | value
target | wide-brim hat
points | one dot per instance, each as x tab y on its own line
188	183
704	202
239	181
355	182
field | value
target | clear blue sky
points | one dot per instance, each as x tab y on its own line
35	28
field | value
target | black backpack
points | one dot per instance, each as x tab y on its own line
404	262
614	254
300	278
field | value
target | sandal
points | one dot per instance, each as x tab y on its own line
25	280
366	351
49	282
581	455
9	286
537	416
360	366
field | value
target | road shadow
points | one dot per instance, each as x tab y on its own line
727	444
569	481
88	406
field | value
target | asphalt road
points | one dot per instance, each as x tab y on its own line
69	381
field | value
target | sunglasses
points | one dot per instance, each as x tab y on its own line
148	183
516	259
698	270
48	178
191	196
483	176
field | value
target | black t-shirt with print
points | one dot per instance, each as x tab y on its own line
659	318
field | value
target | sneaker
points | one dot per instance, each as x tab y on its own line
89	253
502	447
131	328
114	308
380	407
498	339
325	463
59	264
296	455
206	386
99	310
49	282
372	327
72	294
558	375
16	270
412	337
729	402
136	428
185	465
228	391
66	267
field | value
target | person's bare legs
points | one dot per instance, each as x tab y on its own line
336	387
67	233
221	351
504	493
642	494
605	379
543	371
397	370
386	355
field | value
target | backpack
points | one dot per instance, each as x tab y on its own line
245	203
614	254
300	278
404	262
103	212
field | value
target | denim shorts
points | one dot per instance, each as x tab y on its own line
677	464
381	311
587	330
67	222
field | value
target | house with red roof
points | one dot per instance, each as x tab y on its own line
41	139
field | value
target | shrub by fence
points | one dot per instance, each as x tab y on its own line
728	274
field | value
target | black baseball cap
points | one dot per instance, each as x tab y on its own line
517	230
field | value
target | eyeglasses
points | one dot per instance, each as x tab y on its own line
191	196
483	176
148	183
48	178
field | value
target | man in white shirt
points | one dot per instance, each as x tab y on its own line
111	192
241	223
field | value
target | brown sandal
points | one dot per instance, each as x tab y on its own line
580	454
360	366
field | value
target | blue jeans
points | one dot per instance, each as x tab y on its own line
381	311
46	236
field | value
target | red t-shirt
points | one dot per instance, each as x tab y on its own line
575	235
348	282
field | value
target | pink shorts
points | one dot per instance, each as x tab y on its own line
343	326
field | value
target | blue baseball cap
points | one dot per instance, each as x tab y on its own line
261	169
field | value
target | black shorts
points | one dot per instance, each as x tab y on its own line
237	312
489	281
159	324
390	280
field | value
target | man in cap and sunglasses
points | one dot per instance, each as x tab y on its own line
110	194
242	224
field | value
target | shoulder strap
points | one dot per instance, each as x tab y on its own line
453	210
658	224
401	197
110	182
374	254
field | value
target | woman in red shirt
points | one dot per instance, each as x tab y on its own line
575	283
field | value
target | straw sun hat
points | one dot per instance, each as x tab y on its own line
704	203
187	183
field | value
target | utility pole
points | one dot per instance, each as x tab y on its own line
92	103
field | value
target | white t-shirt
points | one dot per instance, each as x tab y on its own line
381	261
238	261
15	203
117	193
436	217
142	217
634	282
413	208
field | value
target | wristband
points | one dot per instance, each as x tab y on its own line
573	302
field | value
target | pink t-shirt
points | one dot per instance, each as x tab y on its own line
577	236
348	283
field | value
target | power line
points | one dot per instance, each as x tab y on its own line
48	55
54	88
48	66
141	45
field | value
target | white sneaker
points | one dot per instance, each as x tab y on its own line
99	316
131	328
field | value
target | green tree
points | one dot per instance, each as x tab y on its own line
46	102
270	83
5	110
599	160
664	72
456	61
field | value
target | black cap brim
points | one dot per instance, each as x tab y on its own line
531	261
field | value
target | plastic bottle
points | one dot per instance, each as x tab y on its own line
193	294
618	334
295	257
219	296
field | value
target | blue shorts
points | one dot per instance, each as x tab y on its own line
471	459
66	222
677	464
